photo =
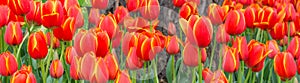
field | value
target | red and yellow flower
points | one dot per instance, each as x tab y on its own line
37	45
13	34
8	64
285	65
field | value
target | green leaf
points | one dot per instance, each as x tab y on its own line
84	3
86	17
169	70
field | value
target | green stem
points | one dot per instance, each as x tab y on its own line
173	68
56	80
50	55
254	77
42	70
7	79
212	52
271	71
241	72
17	56
23	40
110	47
258	34
262	75
151	28
155	71
134	77
62	50
278	79
248	75
230	77
2	40
200	66
194	75
220	57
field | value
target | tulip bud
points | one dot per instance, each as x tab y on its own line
66	31
258	52
120	13
148	49
5	12
52	13
133	5
217	77
272	45
171	29
285	66
24	75
216	14
279	30
108	23
150	9
129	40
75	67
251	15
222	36
178	3
172	46
37	45
8	64
19	7
56	69
235	24
240	43
132	60
267	17
188	9
76	12
190	55
103	43
123	77
113	67
231	60
34	15
294	46
94	16
69	54
100	4
85	41
13	34
206	72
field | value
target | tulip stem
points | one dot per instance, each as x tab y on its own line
62	50
248	75
42	70
134	76
212	52
262	75
194	75
1	37
254	77
278	79
20	46
241	72
258	34
200	65
49	56
17	56
230	77
151	26
56	80
271	70
173	68
220	57
155	71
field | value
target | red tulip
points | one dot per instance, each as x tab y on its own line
37	45
34	15
279	30
148	49
235	22
66	31
76	12
284	41
272	45
133	5
190	55
13	34
178	3
5	12
123	77
132	60
217	77
285	66
206	72
103	42
8	63
292	29
150	9
294	46
172	45
231	60
289	11
70	53
55	42
216	14
269	2
129	40
24	75
56	69
246	2
94	16
85	41
251	15
257	54
69	3
171	29
240	43
113	67
15	18
222	36
52	14
267	17
108	23
100	4
75	67
120	13
188	9
19	7
4	2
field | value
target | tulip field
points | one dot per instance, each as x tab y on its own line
149	41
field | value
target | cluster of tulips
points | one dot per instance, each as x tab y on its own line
58	41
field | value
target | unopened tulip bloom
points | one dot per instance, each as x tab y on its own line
235	23
216	14
8	64
52	13
294	46
251	15
4	11
172	45
123	77
69	54
178	3
24	75
188	9
103	43
13	34
113	67
285	65
150	9
85	41
222	36
120	13
55	42
132	60
240	43
217	77
19	7
231	60
76	12
190	55
272	45
94	16
109	24
100	4
34	15
267	17
56	69
279	30
75	67
37	45
66	31
171	29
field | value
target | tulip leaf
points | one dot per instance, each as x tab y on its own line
169	70
84	3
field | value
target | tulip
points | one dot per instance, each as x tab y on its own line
13	34
279	31
285	66
94	16
19	7
66	31
56	69
100	4
258	52
5	12
188	9
133	5
76	12
4	2
216	14
85	41
231	60
190	55
69	3
251	15
178	3
150	9
235	24
132	60
194	1
55	42
293	47
103	42
217	77
37	45
100	74
52	13
267	17
148	49
292	29
8	64
108	23
123	77
290	12
120	13
24	75
269	2
69	54
75	67
246	2
172	46
206	72
222	36
240	43
171	29
129	40
272	45
34	15
15	18
113	67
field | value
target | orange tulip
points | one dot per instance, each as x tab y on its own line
258	52
235	23
120	13
132	60
55	41
285	66
272	45
108	23
52	13
188	9
13	34
240	43
172	45
231	60
216	77
8	64
150	9
279	30
190	55
19	7
111	60
216	14
34	15
133	5
66	31
37	45
24	75
267	17
123	77
85	41
100	4
94	16
178	3
103	42
75	67
56	69
222	36
294	46
69	54
5	12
